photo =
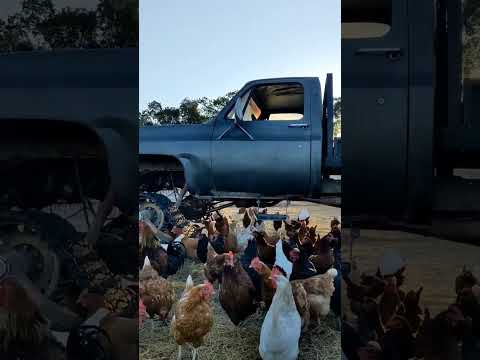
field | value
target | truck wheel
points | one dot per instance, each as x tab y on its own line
40	238
160	207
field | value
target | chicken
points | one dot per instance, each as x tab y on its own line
303	268
281	327
150	247
278	233
437	338
213	268
191	245
322	257
222	239
237	292
305	238
268	291
158	259
23	328
412	308
156	292
229	236
372	287
390	300
202	247
211	253
398	341
302	303
466	279
246	258
176	253
319	290
281	261
146	234
244	232
193	318
142	313
268	287
122	332
266	252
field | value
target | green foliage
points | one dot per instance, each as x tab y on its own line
471	60
211	107
337	114
190	111
39	26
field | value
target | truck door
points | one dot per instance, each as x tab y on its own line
375	105
267	152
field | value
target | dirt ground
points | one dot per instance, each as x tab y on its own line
227	341
431	262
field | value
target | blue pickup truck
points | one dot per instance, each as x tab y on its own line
273	141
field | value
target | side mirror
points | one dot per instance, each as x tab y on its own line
238	110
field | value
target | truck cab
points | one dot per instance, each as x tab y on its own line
272	141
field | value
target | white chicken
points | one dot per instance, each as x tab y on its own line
243	235
281	260
244	230
281	327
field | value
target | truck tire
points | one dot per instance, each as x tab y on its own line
172	216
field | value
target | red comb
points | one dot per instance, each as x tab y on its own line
208	285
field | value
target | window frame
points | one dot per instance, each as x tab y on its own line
250	88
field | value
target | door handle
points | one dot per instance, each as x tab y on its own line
298	125
390	53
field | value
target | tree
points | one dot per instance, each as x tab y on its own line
337	115
471	60
189	112
39	26
209	108
70	28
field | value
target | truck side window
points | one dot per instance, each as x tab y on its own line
275	102
366	19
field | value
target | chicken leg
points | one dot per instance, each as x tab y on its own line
179	356
194	354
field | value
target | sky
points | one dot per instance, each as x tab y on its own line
194	48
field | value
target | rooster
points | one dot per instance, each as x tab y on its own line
281	327
156	292
193	318
150	246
